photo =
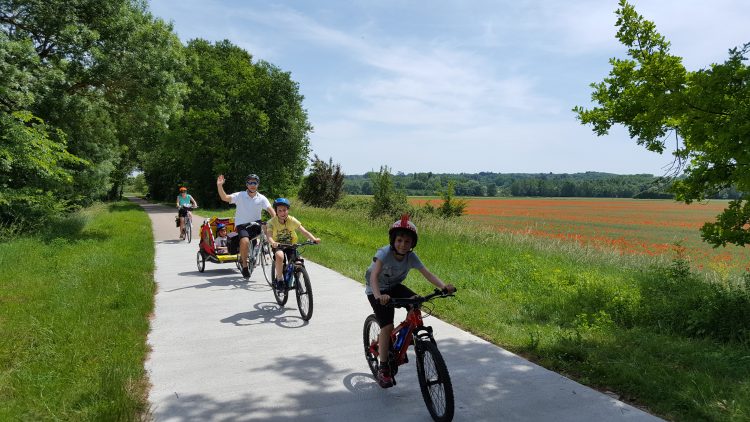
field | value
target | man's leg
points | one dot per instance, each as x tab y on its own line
244	250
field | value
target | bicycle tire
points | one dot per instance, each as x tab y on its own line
281	295
266	262
188	229
201	261
273	274
251	257
303	291
434	381
370	333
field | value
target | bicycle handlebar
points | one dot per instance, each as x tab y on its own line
402	302
188	207
295	245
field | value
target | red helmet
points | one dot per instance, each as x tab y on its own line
403	226
183	189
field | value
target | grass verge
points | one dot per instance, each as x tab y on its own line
657	336
74	316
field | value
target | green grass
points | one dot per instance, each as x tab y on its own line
74	315
658	336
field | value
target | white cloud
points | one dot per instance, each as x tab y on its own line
484	85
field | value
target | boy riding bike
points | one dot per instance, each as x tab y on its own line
283	229
384	278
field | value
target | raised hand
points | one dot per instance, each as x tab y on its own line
220	180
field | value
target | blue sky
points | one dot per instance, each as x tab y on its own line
458	86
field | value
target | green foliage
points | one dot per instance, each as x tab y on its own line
324	185
704	112
387	200
239	117
73	345
731	226
451	207
34	165
589	184
101	72
677	346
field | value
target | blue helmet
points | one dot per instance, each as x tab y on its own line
221	226
281	201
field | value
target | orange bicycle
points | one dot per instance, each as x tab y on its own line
434	380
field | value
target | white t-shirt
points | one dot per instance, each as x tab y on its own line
248	209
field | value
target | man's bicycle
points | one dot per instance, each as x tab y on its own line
188	228
259	254
434	380
295	277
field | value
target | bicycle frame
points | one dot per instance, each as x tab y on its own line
416	328
415	324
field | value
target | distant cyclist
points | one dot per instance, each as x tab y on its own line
384	278
250	205
184	199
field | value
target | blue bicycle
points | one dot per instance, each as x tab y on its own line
295	277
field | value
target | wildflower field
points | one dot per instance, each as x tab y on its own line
629	226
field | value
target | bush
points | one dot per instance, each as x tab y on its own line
324	185
450	207
387	201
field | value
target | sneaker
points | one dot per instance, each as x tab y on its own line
385	379
280	285
245	272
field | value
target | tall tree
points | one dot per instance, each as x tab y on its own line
238	117
705	113
104	76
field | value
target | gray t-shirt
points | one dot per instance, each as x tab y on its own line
393	271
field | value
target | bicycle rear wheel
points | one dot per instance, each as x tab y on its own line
281	295
370	333
434	381
201	261
303	290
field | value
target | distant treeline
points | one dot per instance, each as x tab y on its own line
589	184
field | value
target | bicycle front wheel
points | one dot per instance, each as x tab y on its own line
370	333
303	290
188	230
434	381
266	262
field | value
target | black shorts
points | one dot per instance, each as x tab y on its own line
248	230
182	212
291	254
384	313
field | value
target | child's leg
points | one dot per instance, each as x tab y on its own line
384	343
279	262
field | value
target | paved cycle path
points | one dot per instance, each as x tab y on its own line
223	350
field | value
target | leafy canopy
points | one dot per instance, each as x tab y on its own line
705	113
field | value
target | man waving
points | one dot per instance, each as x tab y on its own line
250	203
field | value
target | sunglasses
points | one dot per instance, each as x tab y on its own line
252	183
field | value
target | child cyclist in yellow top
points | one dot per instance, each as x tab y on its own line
283	229
384	280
